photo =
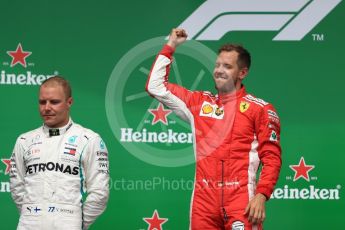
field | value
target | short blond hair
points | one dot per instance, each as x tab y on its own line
58	80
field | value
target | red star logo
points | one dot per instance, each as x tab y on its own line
160	114
7	162
19	56
155	223
301	170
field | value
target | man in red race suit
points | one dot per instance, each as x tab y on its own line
234	132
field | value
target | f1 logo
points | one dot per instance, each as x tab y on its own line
292	18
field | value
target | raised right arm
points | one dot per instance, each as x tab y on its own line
174	96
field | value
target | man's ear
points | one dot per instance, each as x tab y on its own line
243	73
69	101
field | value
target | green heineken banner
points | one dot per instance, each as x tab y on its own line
106	49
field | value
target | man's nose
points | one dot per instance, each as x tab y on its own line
47	106
219	69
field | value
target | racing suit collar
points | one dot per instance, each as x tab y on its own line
49	132
224	98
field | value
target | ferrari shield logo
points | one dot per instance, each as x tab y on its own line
244	106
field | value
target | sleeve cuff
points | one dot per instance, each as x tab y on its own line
167	51
264	191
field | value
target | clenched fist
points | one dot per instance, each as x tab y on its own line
177	37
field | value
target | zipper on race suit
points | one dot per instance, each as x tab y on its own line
225	216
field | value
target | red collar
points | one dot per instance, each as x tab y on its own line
224	98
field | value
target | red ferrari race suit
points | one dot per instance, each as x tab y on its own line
233	134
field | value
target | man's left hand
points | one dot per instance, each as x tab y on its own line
255	209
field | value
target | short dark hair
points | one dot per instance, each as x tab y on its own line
244	59
58	80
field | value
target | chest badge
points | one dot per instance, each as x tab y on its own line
244	106
219	111
207	109
211	110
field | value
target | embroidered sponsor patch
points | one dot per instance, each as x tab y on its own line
70	151
237	225
273	136
256	100
244	106
211	110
